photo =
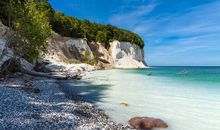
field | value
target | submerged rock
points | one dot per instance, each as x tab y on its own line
147	123
124	104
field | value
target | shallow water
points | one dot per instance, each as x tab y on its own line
189	101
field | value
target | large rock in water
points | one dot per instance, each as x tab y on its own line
147	123
127	55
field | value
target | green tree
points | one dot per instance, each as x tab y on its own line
101	36
32	28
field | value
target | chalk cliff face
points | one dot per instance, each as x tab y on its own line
127	55
72	50
66	49
119	55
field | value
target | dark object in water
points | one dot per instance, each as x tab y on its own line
147	123
183	72
149	73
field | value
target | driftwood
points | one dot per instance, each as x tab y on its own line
13	65
40	74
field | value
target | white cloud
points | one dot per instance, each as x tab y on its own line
130	18
197	32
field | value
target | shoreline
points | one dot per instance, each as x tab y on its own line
51	108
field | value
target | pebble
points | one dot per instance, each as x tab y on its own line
48	110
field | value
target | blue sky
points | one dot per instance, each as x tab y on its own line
176	32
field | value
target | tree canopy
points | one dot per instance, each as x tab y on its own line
31	25
73	27
33	20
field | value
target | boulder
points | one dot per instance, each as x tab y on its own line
147	123
26	65
6	54
41	67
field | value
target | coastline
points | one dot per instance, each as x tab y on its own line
51	108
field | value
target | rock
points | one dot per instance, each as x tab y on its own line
10	66
35	90
67	49
36	116
124	104
127	55
72	50
101	52
147	123
5	53
26	65
41	67
31	89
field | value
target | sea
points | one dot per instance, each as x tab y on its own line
186	98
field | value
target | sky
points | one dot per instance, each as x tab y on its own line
175	32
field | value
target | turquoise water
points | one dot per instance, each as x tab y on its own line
187	98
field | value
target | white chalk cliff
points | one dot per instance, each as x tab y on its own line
127	55
67	49
119	55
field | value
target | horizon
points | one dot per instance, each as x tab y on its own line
183	33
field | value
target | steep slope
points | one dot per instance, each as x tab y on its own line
72	50
67	49
127	55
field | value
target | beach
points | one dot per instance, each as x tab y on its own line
48	108
94	102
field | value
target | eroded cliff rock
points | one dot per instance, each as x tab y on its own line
5	53
66	49
119	55
127	55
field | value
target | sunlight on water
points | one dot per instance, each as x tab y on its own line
184	103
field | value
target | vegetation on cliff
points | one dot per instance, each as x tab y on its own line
73	27
32	20
30	24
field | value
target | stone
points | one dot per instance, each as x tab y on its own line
26	65
100	52
124	104
147	123
41	67
10	66
36	116
35	90
67	49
